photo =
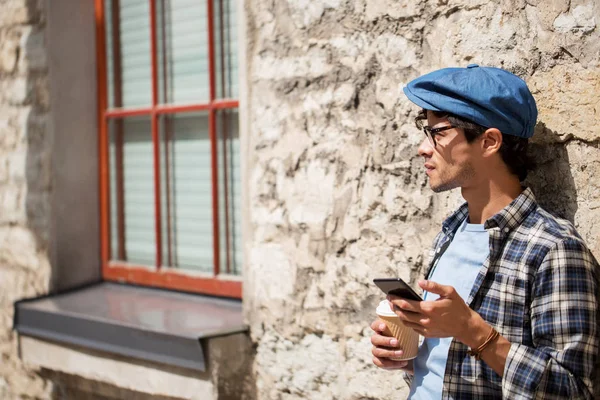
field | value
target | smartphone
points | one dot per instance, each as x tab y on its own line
397	287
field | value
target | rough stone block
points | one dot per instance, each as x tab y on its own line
394	9
581	19
306	12
15	12
12	284
286	368
12	201
567	102
18	248
3	388
9	54
17	168
364	380
273	274
17	91
310	196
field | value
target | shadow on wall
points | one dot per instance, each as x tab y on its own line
554	187
551	179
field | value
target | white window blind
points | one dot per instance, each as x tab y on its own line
135	74
184	40
226	56
187	225
132	136
185	160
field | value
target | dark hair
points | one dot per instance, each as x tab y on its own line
513	150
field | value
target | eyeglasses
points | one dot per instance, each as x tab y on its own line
431	132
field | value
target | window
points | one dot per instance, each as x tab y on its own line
169	144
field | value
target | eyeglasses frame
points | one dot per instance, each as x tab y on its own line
430	133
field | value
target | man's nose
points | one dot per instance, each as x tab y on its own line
425	148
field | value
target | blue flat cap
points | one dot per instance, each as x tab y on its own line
491	97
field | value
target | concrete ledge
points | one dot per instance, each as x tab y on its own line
151	324
129	374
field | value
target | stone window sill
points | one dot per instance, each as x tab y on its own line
147	324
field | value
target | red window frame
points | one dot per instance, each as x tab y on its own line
160	277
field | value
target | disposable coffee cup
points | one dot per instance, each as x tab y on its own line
408	339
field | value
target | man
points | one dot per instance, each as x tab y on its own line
510	307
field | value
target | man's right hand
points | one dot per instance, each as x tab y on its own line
386	347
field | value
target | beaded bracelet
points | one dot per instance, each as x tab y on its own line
493	335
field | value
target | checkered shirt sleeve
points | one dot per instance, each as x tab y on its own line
564	329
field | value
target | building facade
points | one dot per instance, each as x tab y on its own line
292	115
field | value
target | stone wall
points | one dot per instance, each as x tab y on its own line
25	181
337	194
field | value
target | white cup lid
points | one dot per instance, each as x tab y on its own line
384	309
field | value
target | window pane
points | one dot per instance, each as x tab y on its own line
226	44
230	205
183	58
187	195
128	54
132	191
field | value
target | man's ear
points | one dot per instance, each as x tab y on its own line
491	141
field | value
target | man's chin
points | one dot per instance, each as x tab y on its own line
438	187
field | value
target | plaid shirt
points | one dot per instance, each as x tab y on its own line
538	288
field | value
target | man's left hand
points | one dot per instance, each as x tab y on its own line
447	316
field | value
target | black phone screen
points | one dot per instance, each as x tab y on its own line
397	287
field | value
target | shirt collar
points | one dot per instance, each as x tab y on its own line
505	220
513	214
451	224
